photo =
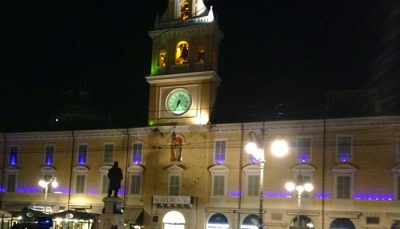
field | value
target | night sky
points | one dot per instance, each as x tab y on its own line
274	52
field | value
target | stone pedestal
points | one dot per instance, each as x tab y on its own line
112	218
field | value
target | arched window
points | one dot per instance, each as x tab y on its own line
217	220
182	52
342	223
395	225
184	10
302	221
174	220
250	222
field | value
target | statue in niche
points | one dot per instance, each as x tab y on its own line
184	52
201	56
176	149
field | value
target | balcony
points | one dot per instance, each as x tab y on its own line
187	22
180	68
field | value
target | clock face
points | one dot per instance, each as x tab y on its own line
179	101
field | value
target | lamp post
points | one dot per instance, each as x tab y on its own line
256	148
300	186
45	184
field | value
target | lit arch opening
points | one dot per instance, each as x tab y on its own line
174	220
184	10
182	52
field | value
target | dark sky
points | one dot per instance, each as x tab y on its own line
274	51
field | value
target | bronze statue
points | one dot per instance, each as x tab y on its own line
115	176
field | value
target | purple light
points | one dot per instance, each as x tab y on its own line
220	160
344	156
13	158
303	157
374	197
93	191
49	161
321	196
235	193
82	161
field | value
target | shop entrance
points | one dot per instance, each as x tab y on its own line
173	220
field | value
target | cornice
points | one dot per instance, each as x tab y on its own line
183	77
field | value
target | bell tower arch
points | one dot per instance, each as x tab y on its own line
184	80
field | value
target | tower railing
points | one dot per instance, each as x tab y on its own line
182	23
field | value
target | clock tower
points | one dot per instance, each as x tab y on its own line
184	80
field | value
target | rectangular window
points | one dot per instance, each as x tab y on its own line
372	220
220	152
11	182
80	183
200	55
398	187
304	179
108	155
137	153
49	154
82	154
174	186
105	184
161	60
398	147
136	181
344	146
219	185
304	149
13	155
343	187
253	185
47	177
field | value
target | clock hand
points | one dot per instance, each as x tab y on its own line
177	104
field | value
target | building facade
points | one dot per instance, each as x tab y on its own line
181	171
205	179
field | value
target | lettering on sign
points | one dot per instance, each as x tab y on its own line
171	199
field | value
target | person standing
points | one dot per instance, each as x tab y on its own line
115	176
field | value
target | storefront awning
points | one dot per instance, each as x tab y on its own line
133	215
70	214
15	207
4	214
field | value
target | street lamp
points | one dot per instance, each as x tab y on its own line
300	186
256	148
45	184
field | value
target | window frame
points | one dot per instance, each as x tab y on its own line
396	174
338	147
251	171
85	156
216	152
175	171
107	162
398	147
343	170
219	170
307	171
104	181
11	171
10	152
80	171
46	162
300	154
137	154
135	170
46	173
